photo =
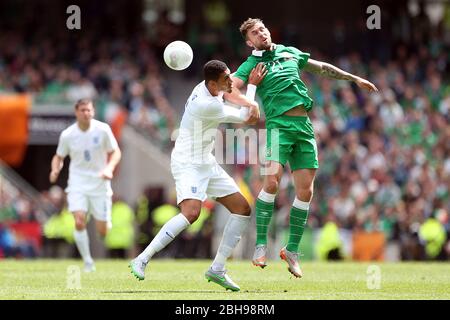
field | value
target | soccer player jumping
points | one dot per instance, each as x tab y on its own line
198	175
286	104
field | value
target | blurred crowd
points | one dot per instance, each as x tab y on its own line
120	73
19	227
384	157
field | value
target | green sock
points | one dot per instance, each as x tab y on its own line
264	212
297	222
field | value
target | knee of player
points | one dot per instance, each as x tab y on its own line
80	220
305	194
242	209
79	224
192	214
271	185
246	210
103	232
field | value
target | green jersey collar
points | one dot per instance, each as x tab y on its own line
259	53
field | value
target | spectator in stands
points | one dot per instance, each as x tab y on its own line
7	242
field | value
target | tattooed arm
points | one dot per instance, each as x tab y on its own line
330	71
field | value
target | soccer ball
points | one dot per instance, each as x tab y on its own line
178	55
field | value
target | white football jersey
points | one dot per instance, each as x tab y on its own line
88	152
203	114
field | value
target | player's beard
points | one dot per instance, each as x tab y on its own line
263	46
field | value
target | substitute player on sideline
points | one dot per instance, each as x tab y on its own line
197	173
89	144
286	104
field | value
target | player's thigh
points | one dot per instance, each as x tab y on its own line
78	204
273	172
304	153
304	178
220	183
103	227
300	160
278	145
280	140
191	182
235	203
100	208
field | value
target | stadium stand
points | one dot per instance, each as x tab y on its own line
384	157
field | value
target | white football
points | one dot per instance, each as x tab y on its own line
178	55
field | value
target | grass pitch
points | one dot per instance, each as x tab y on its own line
184	279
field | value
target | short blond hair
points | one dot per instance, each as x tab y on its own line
247	25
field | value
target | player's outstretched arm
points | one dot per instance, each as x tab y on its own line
333	72
114	158
236	97
56	166
255	77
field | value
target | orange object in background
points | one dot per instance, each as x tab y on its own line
14	127
118	122
368	246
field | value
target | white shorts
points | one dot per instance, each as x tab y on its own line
98	206
202	181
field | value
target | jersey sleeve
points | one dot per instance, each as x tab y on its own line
302	57
220	112
234	115
63	147
111	142
244	70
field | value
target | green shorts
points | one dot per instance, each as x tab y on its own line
292	139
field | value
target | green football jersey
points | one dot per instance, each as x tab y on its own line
281	89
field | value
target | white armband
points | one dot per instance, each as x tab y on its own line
250	94
243	113
251	91
234	115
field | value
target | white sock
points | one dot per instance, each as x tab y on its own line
165	236
232	233
267	197
302	205
82	241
